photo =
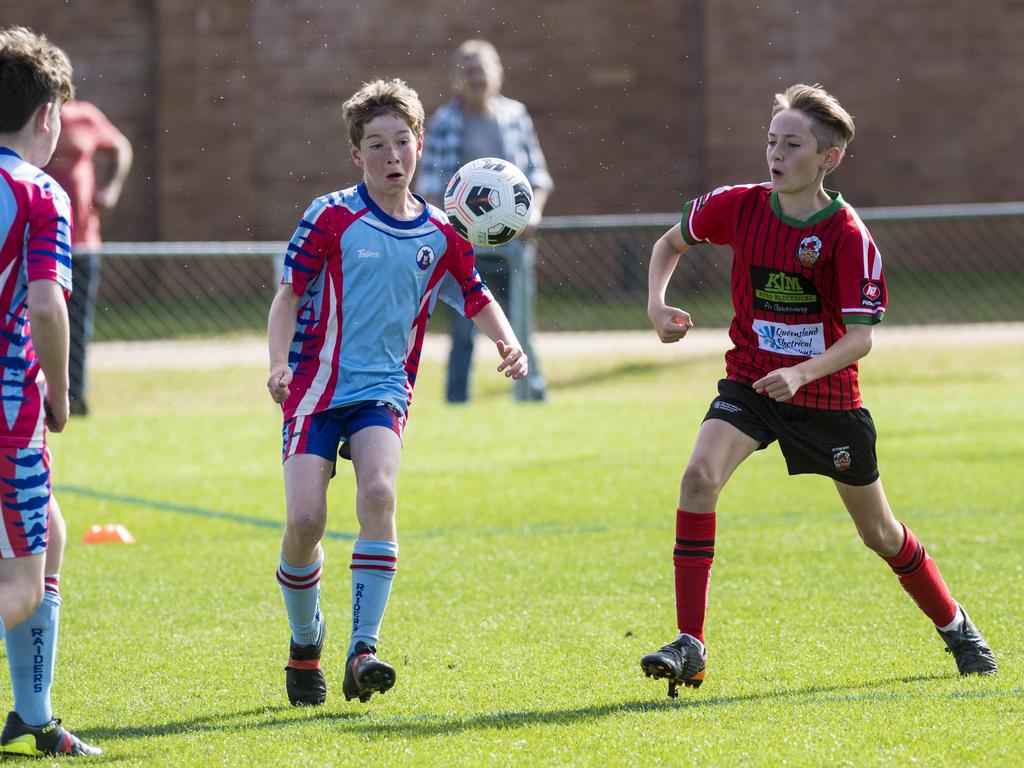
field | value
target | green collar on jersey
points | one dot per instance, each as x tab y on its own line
824	213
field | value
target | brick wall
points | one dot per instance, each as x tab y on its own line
233	106
112	52
935	89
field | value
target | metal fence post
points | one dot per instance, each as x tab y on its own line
522	285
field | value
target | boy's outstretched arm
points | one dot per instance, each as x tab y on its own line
48	313
670	322
280	331
492	321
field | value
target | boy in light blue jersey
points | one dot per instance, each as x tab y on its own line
362	274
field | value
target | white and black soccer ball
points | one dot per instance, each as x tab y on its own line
488	201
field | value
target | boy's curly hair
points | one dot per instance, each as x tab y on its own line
383	97
33	72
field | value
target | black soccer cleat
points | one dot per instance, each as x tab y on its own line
969	648
681	662
45	741
365	674
303	677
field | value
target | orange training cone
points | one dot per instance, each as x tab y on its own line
100	534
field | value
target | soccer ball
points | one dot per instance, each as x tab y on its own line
488	201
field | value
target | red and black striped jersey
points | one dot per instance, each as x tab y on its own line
796	285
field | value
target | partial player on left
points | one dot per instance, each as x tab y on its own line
35	281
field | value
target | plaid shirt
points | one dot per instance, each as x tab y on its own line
442	149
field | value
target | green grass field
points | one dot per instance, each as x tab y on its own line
535	570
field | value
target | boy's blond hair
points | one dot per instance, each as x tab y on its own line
831	124
383	97
33	72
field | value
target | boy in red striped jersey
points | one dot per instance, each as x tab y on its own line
807	289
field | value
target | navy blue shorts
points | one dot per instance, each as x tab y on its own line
814	441
327	433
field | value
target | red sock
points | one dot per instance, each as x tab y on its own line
693	555
920	577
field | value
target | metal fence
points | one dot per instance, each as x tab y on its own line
943	264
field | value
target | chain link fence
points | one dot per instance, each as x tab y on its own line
943	264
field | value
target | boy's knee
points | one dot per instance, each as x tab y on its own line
700	479
21	602
377	496
882	539
308	526
33	600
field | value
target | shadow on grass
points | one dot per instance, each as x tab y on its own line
621	371
595	377
428	725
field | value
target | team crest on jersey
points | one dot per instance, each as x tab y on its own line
841	458
424	257
809	251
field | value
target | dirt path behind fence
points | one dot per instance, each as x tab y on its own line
251	351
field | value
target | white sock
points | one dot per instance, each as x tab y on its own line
956	623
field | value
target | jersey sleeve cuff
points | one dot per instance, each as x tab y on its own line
873	319
479	303
684	225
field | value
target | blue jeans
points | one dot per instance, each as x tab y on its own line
508	273
85	281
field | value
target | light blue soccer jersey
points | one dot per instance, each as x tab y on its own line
368	283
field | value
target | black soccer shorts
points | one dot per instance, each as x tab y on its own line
814	441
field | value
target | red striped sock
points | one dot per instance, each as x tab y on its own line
51	584
692	557
920	577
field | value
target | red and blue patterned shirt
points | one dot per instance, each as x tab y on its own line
35	244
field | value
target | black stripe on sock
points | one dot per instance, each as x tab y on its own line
693	553
695	542
914	563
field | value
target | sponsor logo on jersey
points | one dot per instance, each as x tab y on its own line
807	340
364	253
841	458
870	294
424	257
809	251
784	293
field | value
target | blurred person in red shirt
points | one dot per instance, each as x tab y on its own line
87	133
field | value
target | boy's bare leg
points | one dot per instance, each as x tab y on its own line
918	574
306	477
376	455
21	588
719	450
32	620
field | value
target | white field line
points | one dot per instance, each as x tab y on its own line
252	351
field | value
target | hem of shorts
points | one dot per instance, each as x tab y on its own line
760	444
832	476
33	445
859	403
10	554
